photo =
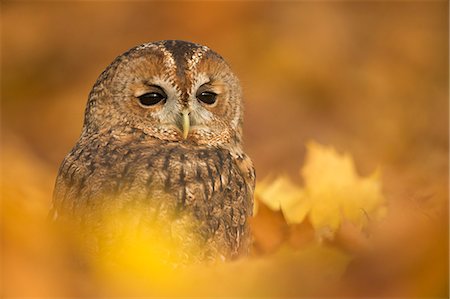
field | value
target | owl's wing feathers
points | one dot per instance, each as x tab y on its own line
212	184
247	169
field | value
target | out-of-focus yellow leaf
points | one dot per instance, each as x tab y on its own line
285	195
336	192
333	192
279	191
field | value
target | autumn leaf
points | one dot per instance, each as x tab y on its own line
333	192
282	191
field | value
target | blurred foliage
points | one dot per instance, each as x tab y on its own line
333	193
366	78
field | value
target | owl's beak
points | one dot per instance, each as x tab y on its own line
186	123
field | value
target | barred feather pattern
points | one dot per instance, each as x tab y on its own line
167	178
134	158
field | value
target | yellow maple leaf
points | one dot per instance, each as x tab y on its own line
333	192
282	189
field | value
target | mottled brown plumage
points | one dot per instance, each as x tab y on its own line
177	157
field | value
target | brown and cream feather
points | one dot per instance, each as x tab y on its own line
130	154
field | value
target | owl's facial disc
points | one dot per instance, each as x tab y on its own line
204	96
182	116
171	90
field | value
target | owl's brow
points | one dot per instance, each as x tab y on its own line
186	57
195	58
192	63
180	60
171	66
169	62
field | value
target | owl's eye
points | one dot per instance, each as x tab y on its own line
151	98
207	97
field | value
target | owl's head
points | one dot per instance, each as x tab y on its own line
175	91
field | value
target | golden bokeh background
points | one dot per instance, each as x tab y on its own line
369	78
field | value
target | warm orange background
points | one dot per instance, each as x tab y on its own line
370	78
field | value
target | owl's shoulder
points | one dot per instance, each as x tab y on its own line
103	166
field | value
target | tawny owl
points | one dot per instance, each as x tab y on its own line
163	131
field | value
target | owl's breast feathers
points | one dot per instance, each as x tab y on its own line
167	180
